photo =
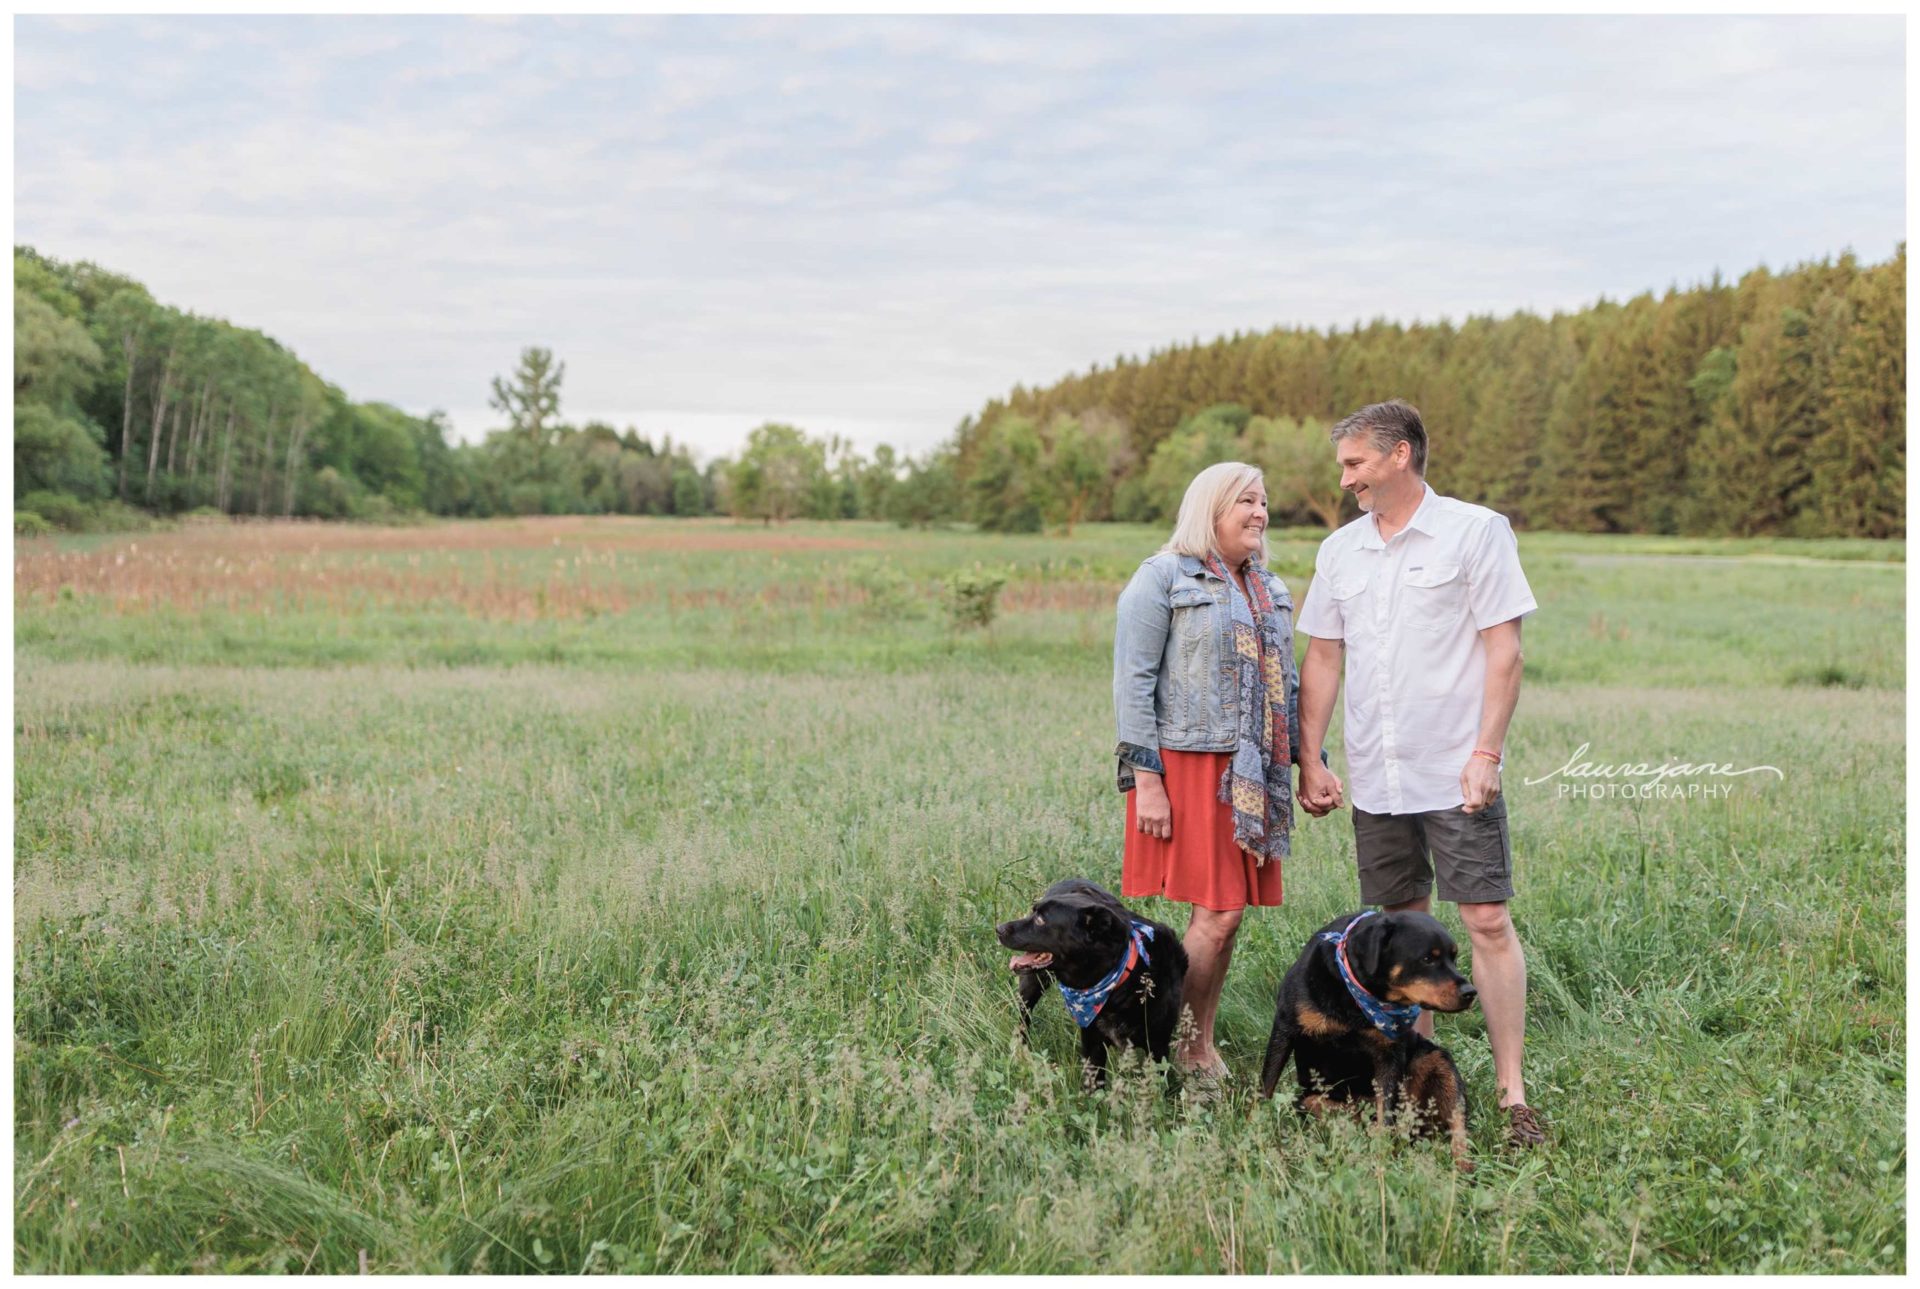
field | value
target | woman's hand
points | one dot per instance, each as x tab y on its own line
1152	812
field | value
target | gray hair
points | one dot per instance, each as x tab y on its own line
1386	424
1208	496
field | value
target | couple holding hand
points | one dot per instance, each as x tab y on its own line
1419	603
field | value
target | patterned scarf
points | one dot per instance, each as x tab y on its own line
1390	1019
1085	1004
1257	783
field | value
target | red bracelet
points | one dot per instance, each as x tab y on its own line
1491	756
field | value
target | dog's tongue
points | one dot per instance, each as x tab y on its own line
1030	961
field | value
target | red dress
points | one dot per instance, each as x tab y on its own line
1202	864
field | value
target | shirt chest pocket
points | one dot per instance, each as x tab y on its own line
1345	593
1192	624
1281	597
1192	654
1433	598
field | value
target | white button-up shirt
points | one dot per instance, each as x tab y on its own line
1410	611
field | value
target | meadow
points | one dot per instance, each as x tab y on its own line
617	895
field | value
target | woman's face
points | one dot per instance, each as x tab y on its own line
1238	531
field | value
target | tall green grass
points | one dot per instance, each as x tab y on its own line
662	940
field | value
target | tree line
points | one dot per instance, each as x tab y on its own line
1771	406
125	407
1775	405
122	403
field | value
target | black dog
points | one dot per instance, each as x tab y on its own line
1343	1057
1084	939
1033	969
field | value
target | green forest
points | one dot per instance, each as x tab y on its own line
1773	406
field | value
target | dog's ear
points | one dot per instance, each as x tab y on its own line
1098	918
1367	947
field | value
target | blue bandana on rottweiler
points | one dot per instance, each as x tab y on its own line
1085	1004
1391	1020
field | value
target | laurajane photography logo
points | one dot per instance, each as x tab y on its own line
1670	780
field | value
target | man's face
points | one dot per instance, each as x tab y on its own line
1363	467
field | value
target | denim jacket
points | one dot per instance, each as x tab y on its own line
1175	679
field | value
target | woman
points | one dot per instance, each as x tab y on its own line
1206	697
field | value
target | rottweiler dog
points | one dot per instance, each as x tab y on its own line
1343	1056
1121	976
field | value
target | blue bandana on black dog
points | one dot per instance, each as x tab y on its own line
1391	1020
1085	1004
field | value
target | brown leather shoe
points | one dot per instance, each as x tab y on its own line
1523	1128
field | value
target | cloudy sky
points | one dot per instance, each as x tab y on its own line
870	226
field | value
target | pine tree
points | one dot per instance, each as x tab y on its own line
1859	464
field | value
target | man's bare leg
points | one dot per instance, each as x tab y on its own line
1500	974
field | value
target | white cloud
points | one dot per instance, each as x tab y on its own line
875	225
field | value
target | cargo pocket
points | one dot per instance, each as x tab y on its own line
1490	840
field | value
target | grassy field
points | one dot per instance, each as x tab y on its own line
617	895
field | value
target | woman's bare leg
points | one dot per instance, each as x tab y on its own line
1209	944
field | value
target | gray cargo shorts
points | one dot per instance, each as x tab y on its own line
1399	854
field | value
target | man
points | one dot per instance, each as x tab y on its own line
1421	599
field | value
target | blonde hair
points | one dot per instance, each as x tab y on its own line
1208	496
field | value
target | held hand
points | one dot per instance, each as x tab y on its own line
1152	812
1479	784
1320	789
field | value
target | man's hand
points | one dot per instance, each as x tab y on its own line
1152	812
1480	779
1320	789
1479	784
